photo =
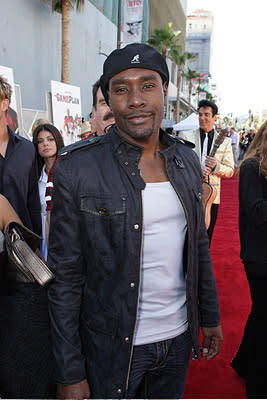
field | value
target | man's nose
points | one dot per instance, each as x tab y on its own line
136	98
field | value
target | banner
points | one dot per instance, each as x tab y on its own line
66	110
202	95
12	117
133	18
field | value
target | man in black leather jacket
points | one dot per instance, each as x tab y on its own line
105	286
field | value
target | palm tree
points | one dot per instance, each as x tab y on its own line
63	7
163	38
179	56
190	75
209	96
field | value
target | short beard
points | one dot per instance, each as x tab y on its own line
138	134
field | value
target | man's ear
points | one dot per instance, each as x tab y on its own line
5	105
165	88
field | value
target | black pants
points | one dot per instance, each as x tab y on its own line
213	218
250	361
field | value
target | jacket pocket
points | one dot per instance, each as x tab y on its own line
104	225
98	332
103	206
100	323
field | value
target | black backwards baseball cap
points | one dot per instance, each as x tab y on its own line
135	55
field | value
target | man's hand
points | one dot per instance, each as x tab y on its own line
210	162
78	390
206	171
212	340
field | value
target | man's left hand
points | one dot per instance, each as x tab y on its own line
212	340
210	162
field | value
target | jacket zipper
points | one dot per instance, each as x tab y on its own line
138	298
194	354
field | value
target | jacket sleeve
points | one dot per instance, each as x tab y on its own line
33	200
65	292
225	164
251	196
207	292
208	302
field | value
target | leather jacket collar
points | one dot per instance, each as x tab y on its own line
128	153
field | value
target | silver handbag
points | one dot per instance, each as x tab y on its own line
24	264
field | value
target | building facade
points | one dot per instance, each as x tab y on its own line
30	44
199	41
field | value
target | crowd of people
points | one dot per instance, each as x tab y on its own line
126	231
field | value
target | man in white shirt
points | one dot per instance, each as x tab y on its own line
213	168
134	281
235	142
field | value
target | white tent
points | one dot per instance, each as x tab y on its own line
188	124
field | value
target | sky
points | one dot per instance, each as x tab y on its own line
239	61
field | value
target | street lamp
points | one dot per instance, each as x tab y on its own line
119	25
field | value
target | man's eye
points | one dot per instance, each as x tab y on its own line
121	90
148	85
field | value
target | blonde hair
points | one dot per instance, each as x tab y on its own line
5	89
258	149
40	121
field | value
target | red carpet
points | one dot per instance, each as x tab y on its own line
216	378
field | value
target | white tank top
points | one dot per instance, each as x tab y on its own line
2	242
162	310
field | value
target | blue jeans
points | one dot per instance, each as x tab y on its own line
159	369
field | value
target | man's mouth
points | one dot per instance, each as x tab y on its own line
138	118
108	116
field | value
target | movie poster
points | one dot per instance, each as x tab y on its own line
66	110
133	18
12	117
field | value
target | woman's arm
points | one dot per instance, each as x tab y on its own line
7	214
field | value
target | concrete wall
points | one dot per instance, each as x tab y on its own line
30	43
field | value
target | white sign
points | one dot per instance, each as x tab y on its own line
202	95
66	110
133	18
12	118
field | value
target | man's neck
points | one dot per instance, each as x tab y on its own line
151	145
207	130
4	135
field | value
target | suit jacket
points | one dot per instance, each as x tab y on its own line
224	158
